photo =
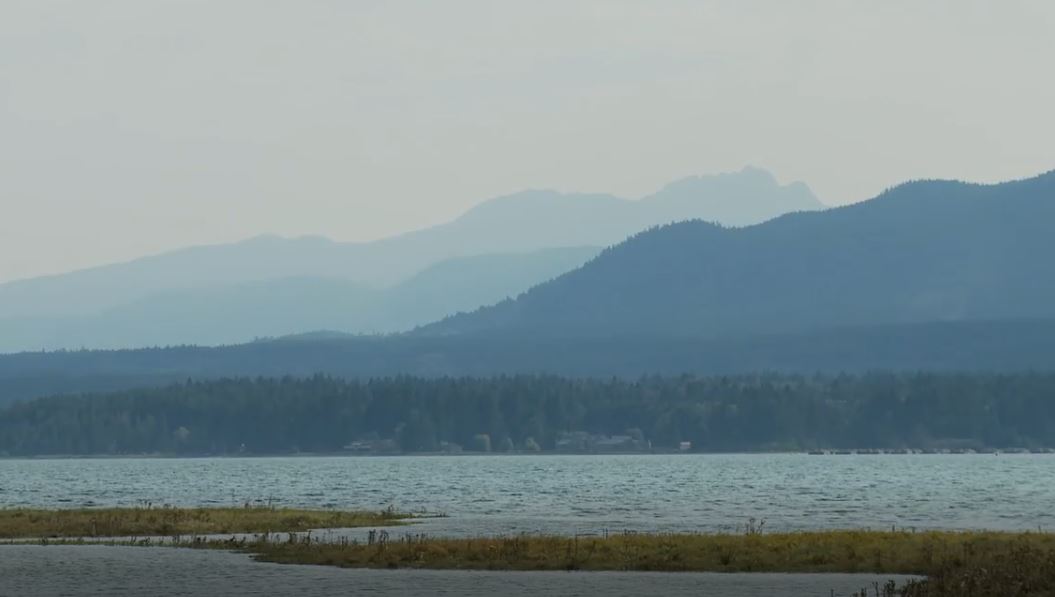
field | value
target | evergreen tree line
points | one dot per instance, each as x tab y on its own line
528	412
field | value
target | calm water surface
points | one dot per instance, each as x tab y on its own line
564	494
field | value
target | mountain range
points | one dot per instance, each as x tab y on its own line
925	251
272	286
937	275
234	313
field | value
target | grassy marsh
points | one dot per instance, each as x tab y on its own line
824	551
977	563
165	521
980	564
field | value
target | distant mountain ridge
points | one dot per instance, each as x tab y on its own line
236	313
921	252
931	275
524	222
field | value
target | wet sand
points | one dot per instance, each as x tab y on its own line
76	570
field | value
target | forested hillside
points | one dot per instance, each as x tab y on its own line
954	346
528	413
922	252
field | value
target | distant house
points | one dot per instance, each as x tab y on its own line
360	447
615	443
450	448
583	442
574	441
372	446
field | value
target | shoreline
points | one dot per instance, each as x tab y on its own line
936	563
470	454
57	571
925	564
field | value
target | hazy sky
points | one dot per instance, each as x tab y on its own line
134	126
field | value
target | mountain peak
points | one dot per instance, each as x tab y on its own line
748	196
749	178
751	172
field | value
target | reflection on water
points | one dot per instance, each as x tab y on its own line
504	494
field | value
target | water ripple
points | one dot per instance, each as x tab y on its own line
572	493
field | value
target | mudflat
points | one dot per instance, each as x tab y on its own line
76	570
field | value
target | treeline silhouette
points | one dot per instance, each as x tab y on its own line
730	413
1020	345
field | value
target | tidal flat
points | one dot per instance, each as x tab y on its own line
915	564
116	571
980	564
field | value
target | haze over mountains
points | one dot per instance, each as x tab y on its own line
272	286
931	275
234	313
922	252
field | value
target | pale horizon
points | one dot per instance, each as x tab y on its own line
135	128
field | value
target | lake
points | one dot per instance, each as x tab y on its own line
583	494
